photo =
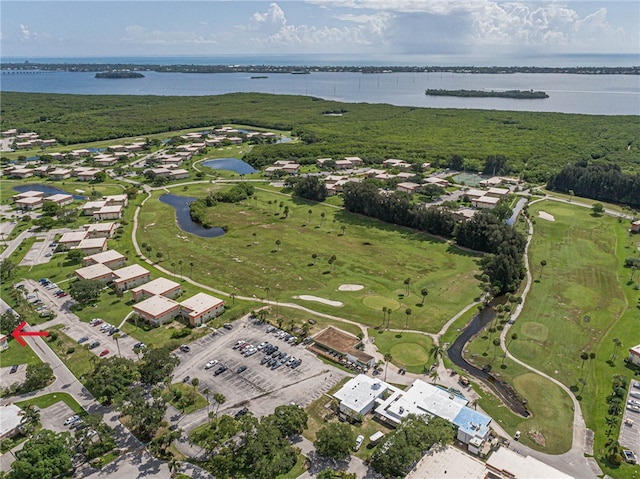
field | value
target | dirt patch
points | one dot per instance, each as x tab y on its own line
538	438
328	302
546	216
350	287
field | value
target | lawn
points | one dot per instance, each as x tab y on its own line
79	361
409	350
181	389
47	400
247	261
17	354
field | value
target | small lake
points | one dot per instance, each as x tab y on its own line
185	223
47	190
231	164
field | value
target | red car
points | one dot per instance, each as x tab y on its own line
104	353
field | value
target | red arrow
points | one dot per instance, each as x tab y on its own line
18	333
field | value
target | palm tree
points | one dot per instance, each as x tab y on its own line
496	343
278	243
220	399
584	356
514	336
616	344
322	215
332	261
387	359
407	283
313	257
343	228
388	317
543	263
191	272
286	211
173	268
233	299
384	314
116	336
180	263
408	313
266	290
194	383
310	213
424	292
434	375
255	238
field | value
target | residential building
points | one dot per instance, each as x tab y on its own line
29	203
116	200
354	160
408	187
201	307
60	199
179	174
158	287
4	342
91	246
27	194
71	239
473	193
105	161
491	182
91	207
157	310
485	202
60	174
437	181
359	395
87	174
129	277
634	355
110	258
21	173
635	226
100	230
497	192
10	420
95	272
109	213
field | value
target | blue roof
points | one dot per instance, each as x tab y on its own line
472	422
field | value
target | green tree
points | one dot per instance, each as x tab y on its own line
335	440
195	382
50	208
543	263
597	209
37	376
616	344
322	216
408	313
407	284
310	213
220	399
44	456
156	365
584	356
144	415
289	419
75	256
7	269
424	292
278	243
111	379
264	451
496	343
332	474
387	359
314	256
8	323
233	298
85	291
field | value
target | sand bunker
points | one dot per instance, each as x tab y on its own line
350	287
328	302
546	216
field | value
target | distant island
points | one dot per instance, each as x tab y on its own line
515	94
119	74
259	77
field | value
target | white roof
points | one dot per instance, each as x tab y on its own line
635	350
73	237
106	256
10	418
353	158
523	467
179	171
110	209
122	197
130	272
93	204
498	191
60	171
157	286
492	200
474	192
92	243
58	197
448	463
94	271
30	200
156	305
99	227
200	303
408	185
360	391
28	194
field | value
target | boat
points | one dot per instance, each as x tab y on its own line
259	77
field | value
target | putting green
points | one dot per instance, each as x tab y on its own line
409	354
378	302
536	331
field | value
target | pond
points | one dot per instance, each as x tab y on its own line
183	218
231	164
47	190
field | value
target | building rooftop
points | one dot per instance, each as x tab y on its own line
99	227
157	286
515	466
93	205
200	303
94	271
30	200
107	256
110	209
58	197
156	305
10	418
130	272
89	243
448	463
491	200
73	237
28	194
358	392
472	422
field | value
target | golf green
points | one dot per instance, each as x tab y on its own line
535	331
378	302
409	354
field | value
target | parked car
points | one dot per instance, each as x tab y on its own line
211	364
184	348
83	339
241	369
13	369
359	441
63	294
104	352
516	436
220	370
139	345
94	344
227	326
71	419
186	379
97	322
241	412
113	331
48	254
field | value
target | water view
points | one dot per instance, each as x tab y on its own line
230	164
183	218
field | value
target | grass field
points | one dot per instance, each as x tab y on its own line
409	350
17	354
254	265
47	400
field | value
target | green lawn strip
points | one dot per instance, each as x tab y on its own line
18	354
80	360
185	388
292	320
108	458
551	408
47	400
586	201
290	271
409	350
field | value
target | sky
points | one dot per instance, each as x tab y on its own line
482	30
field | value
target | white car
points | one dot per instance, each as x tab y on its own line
634	402
359	441
211	364
71	419
634	394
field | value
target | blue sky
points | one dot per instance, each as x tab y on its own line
384	28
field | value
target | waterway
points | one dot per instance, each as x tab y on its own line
47	190
588	94
183	218
230	164
455	352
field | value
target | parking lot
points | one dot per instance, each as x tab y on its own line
630	427
259	387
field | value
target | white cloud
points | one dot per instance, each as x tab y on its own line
25	33
137	34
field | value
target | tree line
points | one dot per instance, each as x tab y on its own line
235	194
485	232
599	181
